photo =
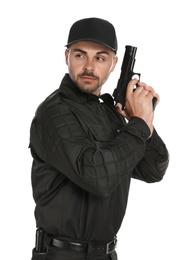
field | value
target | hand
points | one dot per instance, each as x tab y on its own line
139	102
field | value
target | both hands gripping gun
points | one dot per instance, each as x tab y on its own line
126	75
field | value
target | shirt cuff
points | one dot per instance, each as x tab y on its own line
138	127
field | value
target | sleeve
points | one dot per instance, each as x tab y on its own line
152	167
98	167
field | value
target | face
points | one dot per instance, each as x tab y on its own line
90	65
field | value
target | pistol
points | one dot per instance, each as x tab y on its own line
127	73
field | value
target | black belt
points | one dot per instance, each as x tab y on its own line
96	248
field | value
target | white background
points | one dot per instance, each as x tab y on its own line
160	218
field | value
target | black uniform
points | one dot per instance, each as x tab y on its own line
84	156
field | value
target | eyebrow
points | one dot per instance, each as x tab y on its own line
99	52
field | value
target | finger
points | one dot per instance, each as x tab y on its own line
142	91
121	110
157	97
152	91
149	88
154	94
141	84
131	85
119	106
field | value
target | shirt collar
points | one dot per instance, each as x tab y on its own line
69	89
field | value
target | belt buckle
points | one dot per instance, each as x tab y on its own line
108	250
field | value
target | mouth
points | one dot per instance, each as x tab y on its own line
87	78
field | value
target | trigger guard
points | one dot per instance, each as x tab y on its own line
136	75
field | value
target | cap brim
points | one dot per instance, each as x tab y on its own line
92	40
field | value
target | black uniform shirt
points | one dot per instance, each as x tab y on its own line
84	156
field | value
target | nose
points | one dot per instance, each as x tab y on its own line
89	65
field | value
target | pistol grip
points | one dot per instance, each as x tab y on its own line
154	102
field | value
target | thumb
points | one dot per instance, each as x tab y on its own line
121	111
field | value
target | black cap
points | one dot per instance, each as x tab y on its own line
93	29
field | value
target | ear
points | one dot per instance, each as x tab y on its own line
66	56
115	62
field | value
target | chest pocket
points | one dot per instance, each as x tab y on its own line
94	120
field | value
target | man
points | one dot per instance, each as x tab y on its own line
85	152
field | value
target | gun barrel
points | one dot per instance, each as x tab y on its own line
126	74
128	60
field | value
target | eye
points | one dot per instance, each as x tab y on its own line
100	58
80	56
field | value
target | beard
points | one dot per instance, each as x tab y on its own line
87	86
